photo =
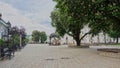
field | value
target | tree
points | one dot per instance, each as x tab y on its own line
105	17
43	36
36	36
70	17
14	41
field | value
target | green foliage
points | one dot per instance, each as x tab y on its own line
36	36
2	42
114	31
43	36
16	40
11	44
114	34
39	36
60	22
26	40
104	16
70	17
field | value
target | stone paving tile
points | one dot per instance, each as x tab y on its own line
44	56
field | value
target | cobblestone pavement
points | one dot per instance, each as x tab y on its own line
44	56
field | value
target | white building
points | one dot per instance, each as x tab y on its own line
3	28
88	39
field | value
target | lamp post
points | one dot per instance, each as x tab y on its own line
50	40
8	32
20	38
66	40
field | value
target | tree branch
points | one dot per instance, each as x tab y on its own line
115	18
85	35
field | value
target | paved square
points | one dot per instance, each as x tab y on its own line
45	56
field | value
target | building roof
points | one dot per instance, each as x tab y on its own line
3	22
54	35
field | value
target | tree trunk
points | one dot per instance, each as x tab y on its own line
91	39
117	39
113	40
104	38
77	38
98	39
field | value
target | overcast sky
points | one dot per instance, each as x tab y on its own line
31	14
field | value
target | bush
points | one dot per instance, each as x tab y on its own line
26	40
2	42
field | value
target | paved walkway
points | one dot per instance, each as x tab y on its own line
104	46
44	56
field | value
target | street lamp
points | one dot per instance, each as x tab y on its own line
20	37
8	32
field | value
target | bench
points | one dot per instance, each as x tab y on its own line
6	52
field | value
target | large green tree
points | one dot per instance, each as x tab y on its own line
43	36
36	36
70	16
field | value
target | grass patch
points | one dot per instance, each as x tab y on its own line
79	46
118	44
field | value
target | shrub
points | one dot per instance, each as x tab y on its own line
2	42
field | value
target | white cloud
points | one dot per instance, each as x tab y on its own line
16	17
41	11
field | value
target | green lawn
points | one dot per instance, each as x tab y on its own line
117	44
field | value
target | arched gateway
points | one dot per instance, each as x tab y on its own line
56	39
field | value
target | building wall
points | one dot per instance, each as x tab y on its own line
3	30
100	38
